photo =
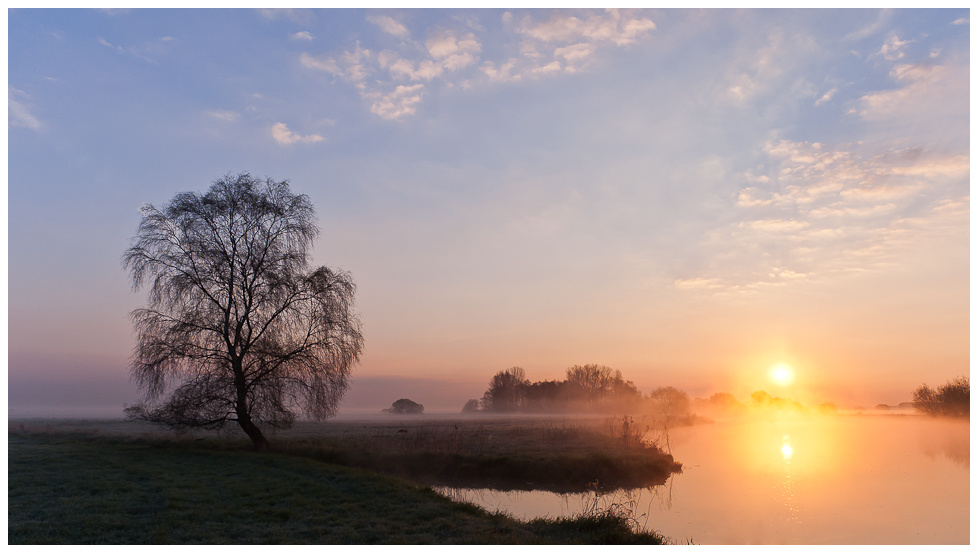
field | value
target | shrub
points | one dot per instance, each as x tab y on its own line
405	407
953	399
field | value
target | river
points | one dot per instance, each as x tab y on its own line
832	479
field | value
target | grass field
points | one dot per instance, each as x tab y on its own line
78	486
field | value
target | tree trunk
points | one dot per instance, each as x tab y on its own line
253	432
241	408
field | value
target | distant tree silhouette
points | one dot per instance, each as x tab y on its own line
405	406
588	387
238	328
545	396
760	398
953	399
720	403
669	402
600	385
506	390
471	406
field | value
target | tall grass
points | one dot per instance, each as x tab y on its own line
508	455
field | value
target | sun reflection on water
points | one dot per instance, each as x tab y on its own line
818	479
787	493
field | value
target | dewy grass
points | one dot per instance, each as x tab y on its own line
82	489
507	455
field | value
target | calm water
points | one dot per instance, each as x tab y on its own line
859	479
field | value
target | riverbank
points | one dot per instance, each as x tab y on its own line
88	487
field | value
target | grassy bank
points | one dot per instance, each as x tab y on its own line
75	488
559	455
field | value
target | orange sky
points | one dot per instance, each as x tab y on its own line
688	196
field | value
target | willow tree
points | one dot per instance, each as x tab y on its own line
239	329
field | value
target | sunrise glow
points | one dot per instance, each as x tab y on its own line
557	251
782	374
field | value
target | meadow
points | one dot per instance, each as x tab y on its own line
115	482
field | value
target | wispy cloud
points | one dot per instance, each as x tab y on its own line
389	25
920	84
892	49
143	52
296	15
883	19
818	211
224	115
282	135
302	35
452	54
827	97
19	110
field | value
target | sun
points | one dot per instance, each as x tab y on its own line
782	374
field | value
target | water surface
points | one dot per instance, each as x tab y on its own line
844	479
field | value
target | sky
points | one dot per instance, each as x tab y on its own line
687	196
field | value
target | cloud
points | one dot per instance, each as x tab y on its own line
326	64
224	115
892	48
775	225
142	52
453	52
818	211
961	21
302	35
768	65
451	55
925	99
19	110
296	15
402	101
882	20
827	97
503	72
612	26
282	135
389	25
352	66
567	42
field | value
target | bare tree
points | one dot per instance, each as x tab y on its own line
595	381
506	390
238	329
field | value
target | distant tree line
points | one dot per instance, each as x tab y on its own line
587	388
953	399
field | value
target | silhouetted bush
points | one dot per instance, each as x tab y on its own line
405	407
950	400
471	406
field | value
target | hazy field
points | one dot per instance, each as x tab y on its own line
114	481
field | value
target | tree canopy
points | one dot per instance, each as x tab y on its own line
238	327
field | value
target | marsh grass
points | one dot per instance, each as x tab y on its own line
504	454
85	488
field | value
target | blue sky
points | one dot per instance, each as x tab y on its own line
688	196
